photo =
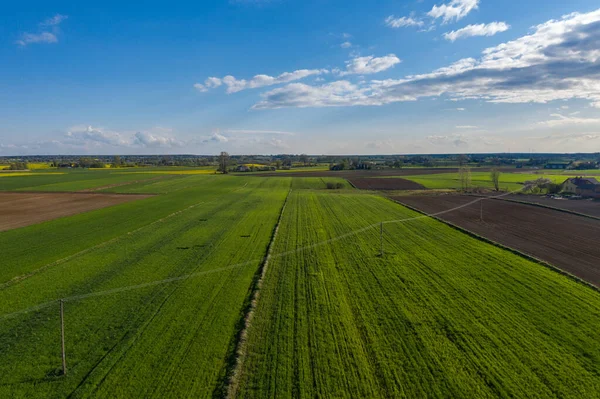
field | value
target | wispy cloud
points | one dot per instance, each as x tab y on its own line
453	11
477	30
55	20
31	38
402	22
44	36
563	120
369	65
234	85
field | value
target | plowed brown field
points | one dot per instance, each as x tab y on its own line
567	241
24	209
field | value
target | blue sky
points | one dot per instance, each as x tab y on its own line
284	76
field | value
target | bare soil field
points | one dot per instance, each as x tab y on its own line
567	241
385	184
24	209
586	207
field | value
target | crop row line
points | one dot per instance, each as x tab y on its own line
274	256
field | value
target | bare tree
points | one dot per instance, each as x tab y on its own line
464	174
223	162
495	175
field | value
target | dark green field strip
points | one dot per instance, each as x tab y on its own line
27	249
32	182
168	339
440	315
163	185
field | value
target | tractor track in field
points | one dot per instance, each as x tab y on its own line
271	256
240	351
17	279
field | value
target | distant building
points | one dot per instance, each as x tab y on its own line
242	168
557	165
584	186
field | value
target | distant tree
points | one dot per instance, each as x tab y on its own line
18	166
117	162
223	162
278	164
463	160
304	159
495	175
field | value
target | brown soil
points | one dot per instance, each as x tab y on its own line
567	241
24	209
385	184
583	206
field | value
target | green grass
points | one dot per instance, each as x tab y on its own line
508	181
440	315
130	338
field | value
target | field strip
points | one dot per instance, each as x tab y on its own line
517	201
178	278
18	279
507	248
241	349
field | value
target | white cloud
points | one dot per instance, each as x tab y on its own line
402	22
460	109
370	64
216	137
380	145
97	137
340	93
30	38
346	45
55	20
254	131
559	60
467	127
209	83
88	135
455	140
477	30
562	120
147	139
455	10
234	85
44	36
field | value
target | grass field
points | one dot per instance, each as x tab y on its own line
508	181
134	325
440	315
157	290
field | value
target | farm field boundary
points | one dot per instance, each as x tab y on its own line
24	209
566	210
422	215
439	314
499	245
567	242
17	279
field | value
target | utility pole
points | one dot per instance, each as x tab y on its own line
381	239
62	336
481	211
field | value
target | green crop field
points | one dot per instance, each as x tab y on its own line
157	293
441	314
508	181
153	303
